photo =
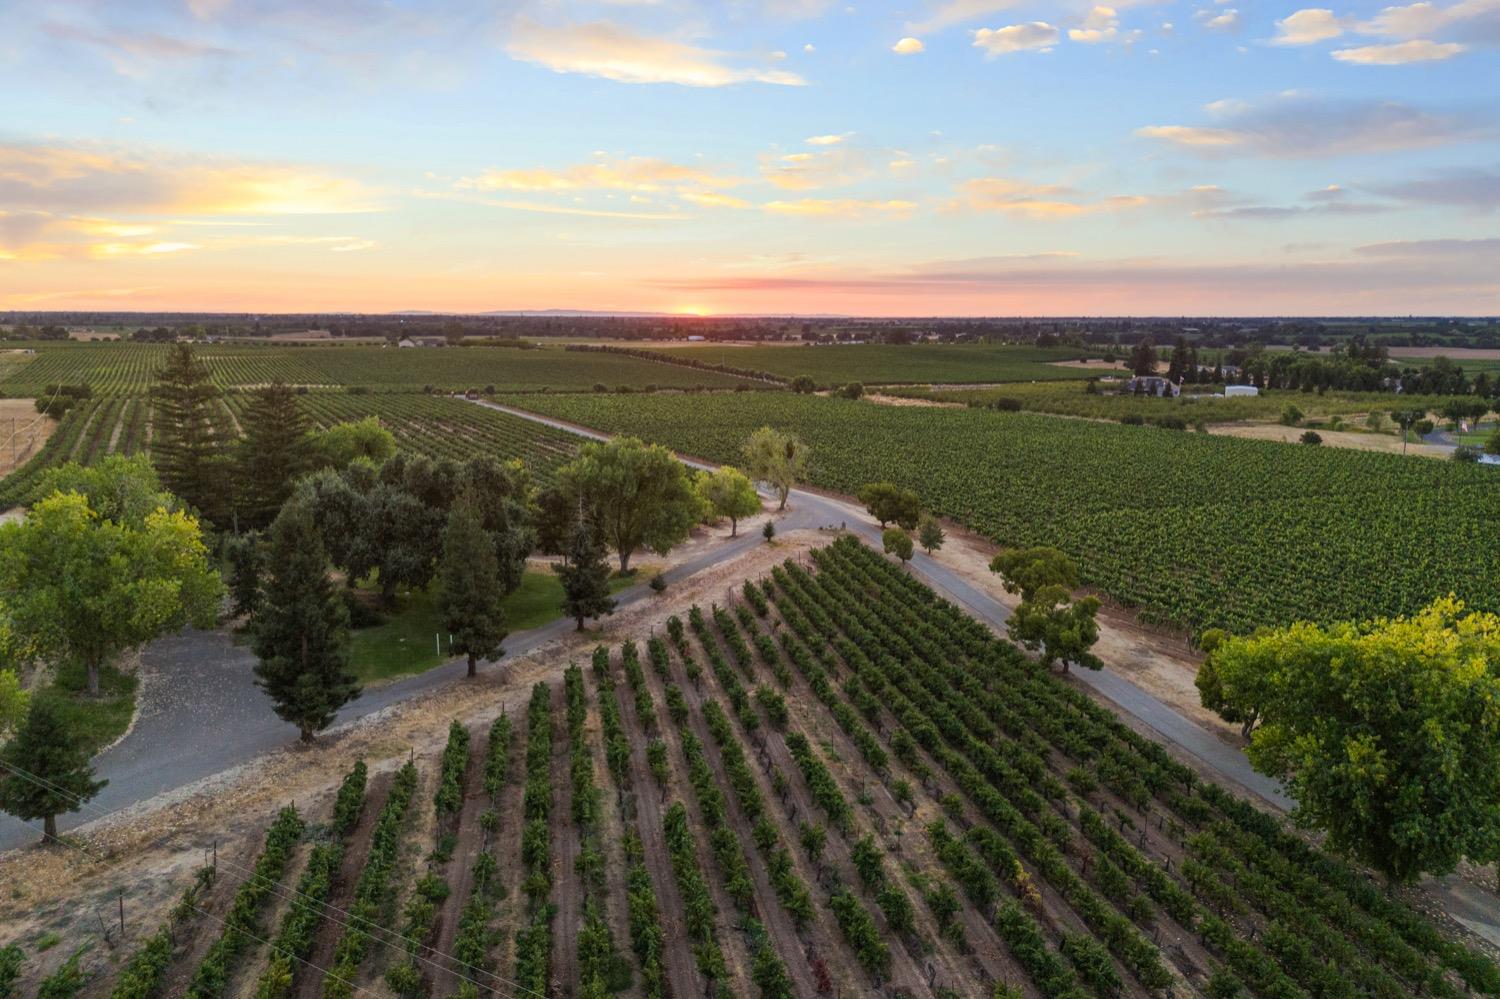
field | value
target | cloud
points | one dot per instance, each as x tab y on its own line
636	173
714	199
1294	126
844	208
828	140
953	12
1016	38
1307	26
1473	188
1400	53
1476	21
908	46
1035	201
1100	25
93	177
598	48
544	208
1464	249
829	166
1225	20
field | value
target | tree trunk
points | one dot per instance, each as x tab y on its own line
473	666
93	668
307	735
734	526
625	562
784	494
49	828
580	623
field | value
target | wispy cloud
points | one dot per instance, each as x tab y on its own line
615	52
1399	53
1034	201
1034	35
636	173
843	208
1295	126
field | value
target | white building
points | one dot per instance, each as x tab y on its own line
1234	390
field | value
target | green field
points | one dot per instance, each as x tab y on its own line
125	368
1194	530
881	364
437	426
1073	399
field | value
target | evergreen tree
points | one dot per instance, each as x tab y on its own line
185	445
46	773
246	562
585	578
275	451
471	595
930	534
301	632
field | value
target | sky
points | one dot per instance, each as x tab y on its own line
932	157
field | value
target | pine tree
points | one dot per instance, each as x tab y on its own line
471	597
45	771
301	632
273	453
246	563
185	446
585	578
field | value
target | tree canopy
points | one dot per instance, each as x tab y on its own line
186	445
274	452
729	493
1386	732
344	443
1048	621
75	586
585	578
46	773
777	458
471	598
889	503
639	495
300	632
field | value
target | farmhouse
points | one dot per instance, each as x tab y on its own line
1151	385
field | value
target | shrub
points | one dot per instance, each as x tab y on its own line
1311	437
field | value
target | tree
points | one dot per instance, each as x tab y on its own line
246	563
343	443
889	503
768	531
1404	418
78	588
301	632
46	772
1492	444
500	494
777	458
471	600
853	390
639	494
1048	621
1290	415
898	543
118	488
729	493
1143	358
185	444
930	534
1384	731
803	385
13	702
585	578
273	453
1311	437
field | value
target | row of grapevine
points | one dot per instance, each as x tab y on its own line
534	941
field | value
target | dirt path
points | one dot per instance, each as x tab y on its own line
459	871
646	802
567	886
610	835
308	983
793	946
215	906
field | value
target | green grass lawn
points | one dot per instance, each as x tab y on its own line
406	643
96	722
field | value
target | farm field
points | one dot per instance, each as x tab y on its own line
1072	399
838	784
1194	530
877	364
127	368
436	426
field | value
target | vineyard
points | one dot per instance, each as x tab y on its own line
1194	530
436	426
837	785
129	368
883	364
